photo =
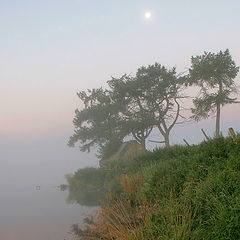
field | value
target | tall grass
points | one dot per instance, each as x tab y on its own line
175	193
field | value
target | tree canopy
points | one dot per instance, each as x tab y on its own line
163	93
135	105
214	74
97	124
131	106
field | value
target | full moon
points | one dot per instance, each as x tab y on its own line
148	15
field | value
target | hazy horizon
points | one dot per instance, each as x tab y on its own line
52	49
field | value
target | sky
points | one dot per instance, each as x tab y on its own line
51	49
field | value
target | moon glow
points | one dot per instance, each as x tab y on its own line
148	15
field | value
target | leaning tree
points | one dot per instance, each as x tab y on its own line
214	73
130	106
97	124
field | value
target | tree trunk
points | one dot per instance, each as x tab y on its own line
143	143
166	138
218	108
165	134
218	120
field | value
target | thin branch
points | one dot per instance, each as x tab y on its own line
177	114
156	141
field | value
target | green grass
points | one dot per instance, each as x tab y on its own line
195	190
200	184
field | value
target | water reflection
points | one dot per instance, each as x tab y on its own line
85	198
43	214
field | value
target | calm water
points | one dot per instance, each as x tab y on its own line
30	214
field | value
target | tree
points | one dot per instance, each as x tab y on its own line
162	93
97	124
150	99
130	106
136	118
214	74
171	115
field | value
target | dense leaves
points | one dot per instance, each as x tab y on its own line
214	74
98	123
132	106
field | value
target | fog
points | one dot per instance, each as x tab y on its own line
52	49
44	161
27	213
40	161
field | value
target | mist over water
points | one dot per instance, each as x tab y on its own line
27	213
52	49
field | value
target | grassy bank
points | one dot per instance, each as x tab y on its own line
174	193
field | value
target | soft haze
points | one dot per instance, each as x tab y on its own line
49	50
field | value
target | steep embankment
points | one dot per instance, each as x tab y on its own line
175	193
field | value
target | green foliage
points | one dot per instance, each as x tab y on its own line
214	74
148	99
98	123
110	147
199	185
134	105
191	192
86	186
210	68
130	106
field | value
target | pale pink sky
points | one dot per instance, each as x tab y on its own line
52	49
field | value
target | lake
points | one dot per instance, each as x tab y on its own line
27	214
30	214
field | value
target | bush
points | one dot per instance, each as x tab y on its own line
185	193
